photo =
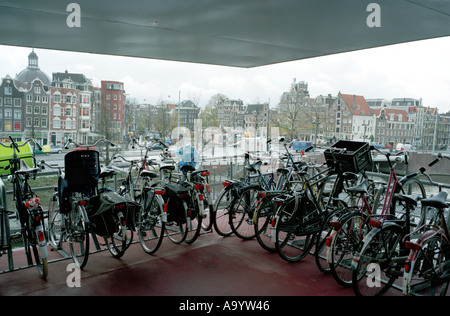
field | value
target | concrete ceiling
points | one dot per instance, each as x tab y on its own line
241	33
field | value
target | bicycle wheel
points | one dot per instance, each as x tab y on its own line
120	239
208	210
194	222
221	218
263	224
177	230
430	274
77	226
419	216
345	243
30	244
296	230
379	262
150	226
324	232
241	213
55	224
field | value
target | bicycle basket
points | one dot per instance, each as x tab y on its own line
82	168
175	209
355	158
102	209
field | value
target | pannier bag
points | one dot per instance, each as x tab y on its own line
102	209
175	209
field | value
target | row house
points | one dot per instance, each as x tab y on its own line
64	113
256	118
53	110
393	126
230	113
112	116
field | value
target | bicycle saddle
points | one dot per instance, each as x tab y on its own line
187	168
147	173
106	172
167	167
438	201
25	169
359	188
254	167
408	199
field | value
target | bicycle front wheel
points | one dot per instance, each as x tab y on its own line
150	226
295	230
430	274
77	225
263	224
379	263
220	216
345	243
241	213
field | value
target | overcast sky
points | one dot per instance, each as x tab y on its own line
412	70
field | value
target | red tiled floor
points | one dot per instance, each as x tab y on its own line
212	266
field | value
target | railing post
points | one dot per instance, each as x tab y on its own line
4	226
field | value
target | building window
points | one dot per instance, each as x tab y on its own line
57	98
56	123
17	126
29	109
44	110
17	114
8	102
44	99
17	102
8	125
37	110
37	89
44	122
29	98
37	122
8	113
8	90
57	111
37	98
28	121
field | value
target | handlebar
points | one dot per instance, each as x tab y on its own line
439	157
104	140
16	146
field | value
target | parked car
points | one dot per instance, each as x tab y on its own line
58	149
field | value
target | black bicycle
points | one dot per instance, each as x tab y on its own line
27	204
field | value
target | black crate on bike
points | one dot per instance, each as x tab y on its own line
174	199
103	208
347	155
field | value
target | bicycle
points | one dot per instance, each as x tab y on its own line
349	231
28	208
232	191
384	247
151	219
427	268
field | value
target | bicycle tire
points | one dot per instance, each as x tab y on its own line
55	224
220	218
377	268
177	231
324	232
150	226
193	223
426	280
294	239
347	240
41	263
78	236
242	211
119	240
208	210
263	220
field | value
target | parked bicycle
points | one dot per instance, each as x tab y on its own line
427	268
349	230
27	205
384	248
152	217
